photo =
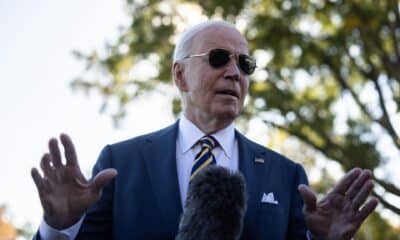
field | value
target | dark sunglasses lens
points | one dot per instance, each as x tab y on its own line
247	64
218	57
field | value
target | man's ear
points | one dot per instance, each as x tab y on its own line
178	70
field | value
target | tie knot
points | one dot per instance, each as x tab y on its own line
208	142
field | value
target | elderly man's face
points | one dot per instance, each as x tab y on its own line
215	93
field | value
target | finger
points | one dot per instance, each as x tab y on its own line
102	178
69	150
309	198
47	169
346	181
55	153
362	195
358	183
368	208
39	181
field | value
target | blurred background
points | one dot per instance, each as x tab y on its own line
326	92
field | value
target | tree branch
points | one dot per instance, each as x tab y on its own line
347	87
377	46
386	204
385	119
324	150
388	186
300	136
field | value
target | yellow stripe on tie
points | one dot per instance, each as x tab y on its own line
201	155
205	156
212	141
201	167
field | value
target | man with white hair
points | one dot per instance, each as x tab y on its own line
211	69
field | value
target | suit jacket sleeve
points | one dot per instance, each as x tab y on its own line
297	226
98	223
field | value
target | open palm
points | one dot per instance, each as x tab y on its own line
338	215
64	192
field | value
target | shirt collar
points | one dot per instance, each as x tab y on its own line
189	134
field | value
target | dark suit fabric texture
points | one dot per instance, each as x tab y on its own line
143	201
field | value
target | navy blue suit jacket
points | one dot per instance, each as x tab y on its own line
143	201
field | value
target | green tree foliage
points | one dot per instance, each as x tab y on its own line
328	71
377	228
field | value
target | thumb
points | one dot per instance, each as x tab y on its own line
102	178
309	198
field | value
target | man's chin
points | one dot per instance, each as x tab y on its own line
228	115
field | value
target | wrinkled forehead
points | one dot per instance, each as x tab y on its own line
219	37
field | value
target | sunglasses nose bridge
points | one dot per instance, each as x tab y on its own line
235	57
235	63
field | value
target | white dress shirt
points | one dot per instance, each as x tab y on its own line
226	155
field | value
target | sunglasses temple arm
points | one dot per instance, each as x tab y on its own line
197	55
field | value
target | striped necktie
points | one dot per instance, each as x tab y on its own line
205	157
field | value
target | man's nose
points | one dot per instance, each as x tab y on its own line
232	70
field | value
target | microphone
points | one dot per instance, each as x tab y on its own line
215	206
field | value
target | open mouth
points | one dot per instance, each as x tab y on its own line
228	92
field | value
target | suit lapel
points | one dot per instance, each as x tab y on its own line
254	171
160	158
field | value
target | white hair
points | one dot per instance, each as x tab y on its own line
182	48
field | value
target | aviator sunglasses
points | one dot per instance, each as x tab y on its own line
220	57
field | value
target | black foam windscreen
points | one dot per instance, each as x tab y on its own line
215	206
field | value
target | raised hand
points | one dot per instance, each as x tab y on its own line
64	192
340	213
